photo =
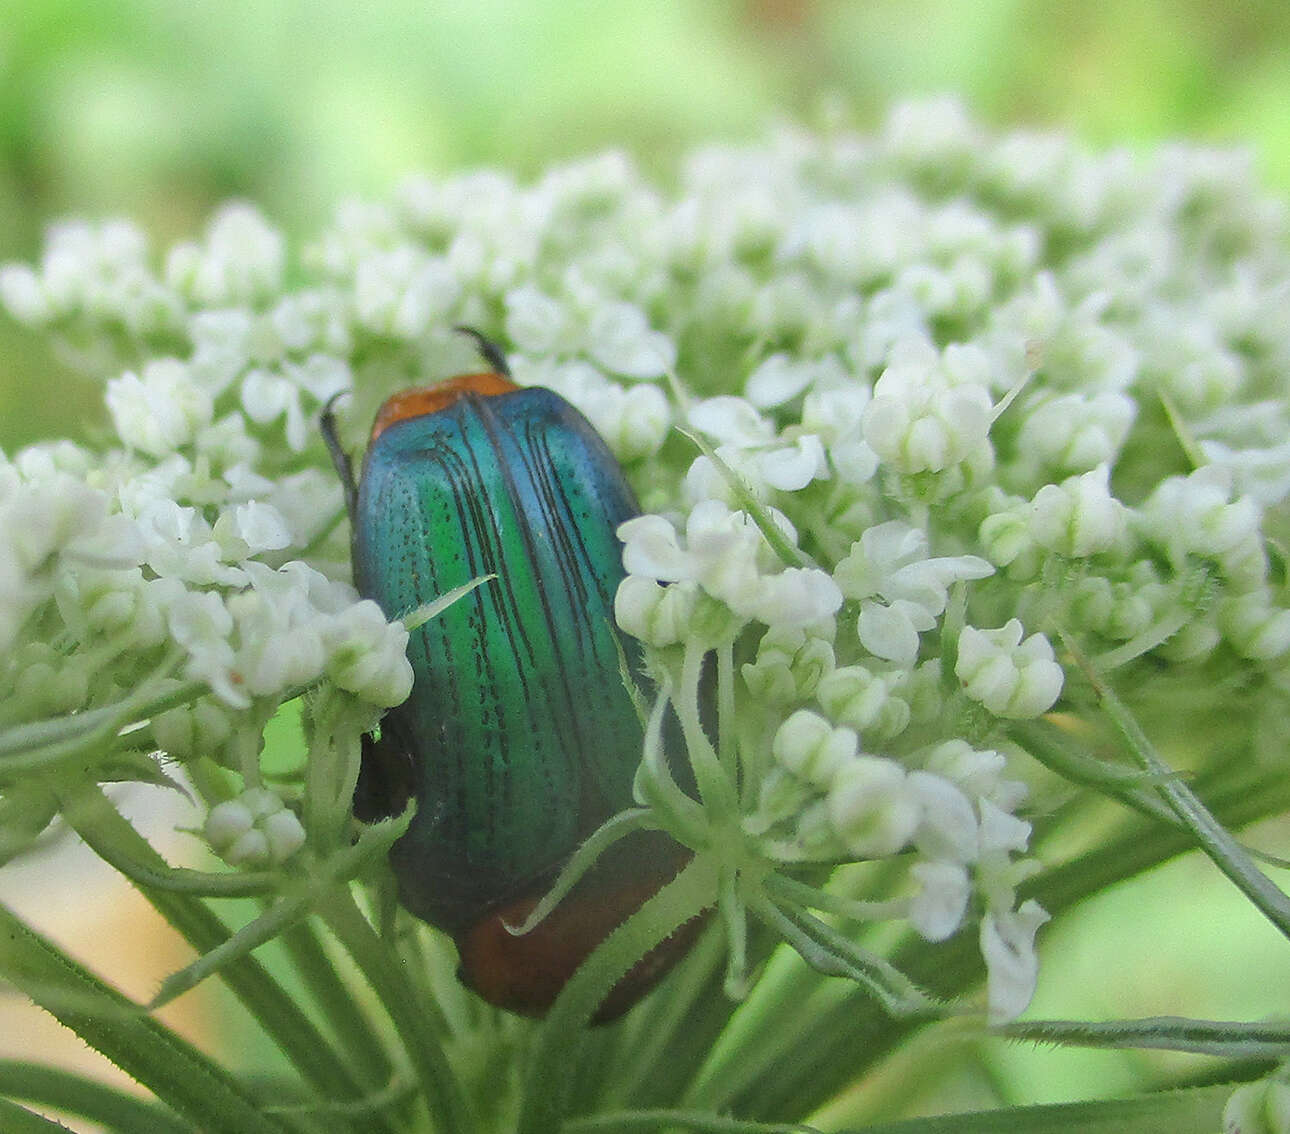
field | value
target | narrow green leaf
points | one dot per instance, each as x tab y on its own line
70	1093
264	998
170	1067
627	1120
19	1120
1173	1112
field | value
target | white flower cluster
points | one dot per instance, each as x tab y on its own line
898	409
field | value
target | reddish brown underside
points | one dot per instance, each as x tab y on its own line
525	974
423	400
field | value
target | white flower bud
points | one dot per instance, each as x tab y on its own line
1262	1107
1257	629
807	745
1079	517
633	421
863	700
1009	677
657	615
368	655
228	822
285	834
255	829
870	807
921	421
620	340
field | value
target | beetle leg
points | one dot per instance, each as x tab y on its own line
339	458
490	350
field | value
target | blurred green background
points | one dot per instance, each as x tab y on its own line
158	109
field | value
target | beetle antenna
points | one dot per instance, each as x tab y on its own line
490	350
339	458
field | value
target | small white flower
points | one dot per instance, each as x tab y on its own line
250	528
651	548
313	319
1197	515
180	544
920	422
723	555
795	596
730	421
368	655
620	339
870	807
160	410
201	624
902	590
402	292
1077	432
279	633
779	378
1010	677
267	396
1012	965
939	906
634	421
242	260
539	323
947	828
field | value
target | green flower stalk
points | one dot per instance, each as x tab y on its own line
964	476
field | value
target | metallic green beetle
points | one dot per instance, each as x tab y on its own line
519	737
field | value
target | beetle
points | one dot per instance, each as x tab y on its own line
520	736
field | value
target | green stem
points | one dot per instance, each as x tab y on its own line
550	1073
442	1092
1214	839
715	782
319	975
1229	1039
656	1039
